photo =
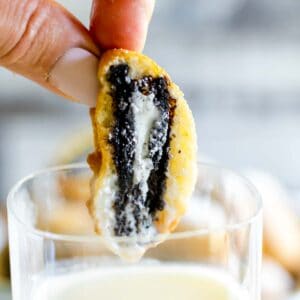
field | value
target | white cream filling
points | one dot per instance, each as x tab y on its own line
107	220
105	200
145	115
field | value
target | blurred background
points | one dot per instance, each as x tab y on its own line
238	62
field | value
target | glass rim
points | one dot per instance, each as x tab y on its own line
257	212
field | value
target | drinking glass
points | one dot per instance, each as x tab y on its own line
214	253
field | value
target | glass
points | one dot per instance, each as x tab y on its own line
215	252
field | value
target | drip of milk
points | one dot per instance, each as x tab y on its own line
159	282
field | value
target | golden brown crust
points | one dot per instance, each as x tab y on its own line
181	174
182	168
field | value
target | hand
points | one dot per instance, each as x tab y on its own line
42	41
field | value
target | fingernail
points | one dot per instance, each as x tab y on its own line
75	75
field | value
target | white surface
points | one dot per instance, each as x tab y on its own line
277	283
296	296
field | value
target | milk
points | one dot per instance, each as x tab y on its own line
159	282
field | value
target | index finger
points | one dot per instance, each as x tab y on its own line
121	23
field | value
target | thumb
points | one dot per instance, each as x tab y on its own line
122	23
42	41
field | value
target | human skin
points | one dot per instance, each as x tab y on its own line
42	41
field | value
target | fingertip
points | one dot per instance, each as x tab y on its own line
121	24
